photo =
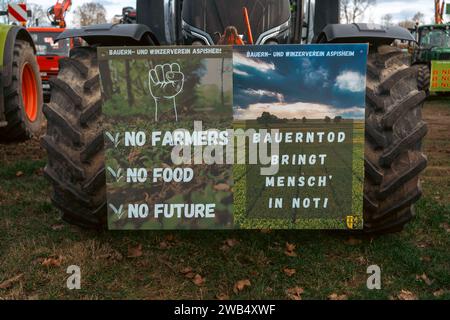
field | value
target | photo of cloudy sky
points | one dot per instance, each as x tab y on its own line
297	87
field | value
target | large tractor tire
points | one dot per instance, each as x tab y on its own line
423	78
23	98
74	140
394	134
393	159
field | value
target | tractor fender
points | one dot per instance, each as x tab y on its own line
363	32
13	33
112	35
8	36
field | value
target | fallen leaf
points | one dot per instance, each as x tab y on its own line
170	237
111	255
295	293
289	272
8	283
421	245
222	187
241	284
163	245
57	227
361	260
189	275
19	173
425	279
335	296
186	270
439	293
52	262
39	171
222	296
406	295
290	250
425	258
353	241
198	280
231	242
445	226
135	252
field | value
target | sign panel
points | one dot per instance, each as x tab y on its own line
440	76
17	12
245	138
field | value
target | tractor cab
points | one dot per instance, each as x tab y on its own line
265	21
48	53
434	43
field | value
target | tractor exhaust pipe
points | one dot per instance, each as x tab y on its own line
248	26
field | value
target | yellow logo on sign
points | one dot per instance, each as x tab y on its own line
352	222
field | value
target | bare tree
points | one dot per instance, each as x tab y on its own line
352	10
387	19
38	15
89	13
419	17
407	24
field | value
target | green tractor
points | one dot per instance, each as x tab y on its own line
433	45
394	125
21	115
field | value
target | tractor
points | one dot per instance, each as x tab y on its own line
21	103
49	52
394	125
434	45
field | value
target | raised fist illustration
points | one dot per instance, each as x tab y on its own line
166	81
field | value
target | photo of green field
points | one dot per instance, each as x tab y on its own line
251	194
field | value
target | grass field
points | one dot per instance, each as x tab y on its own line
36	247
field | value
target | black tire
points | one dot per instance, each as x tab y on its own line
74	141
394	134
20	127
393	161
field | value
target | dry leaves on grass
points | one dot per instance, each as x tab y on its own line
290	250
134	251
113	255
188	272
335	296
222	296
57	227
9	282
198	280
425	279
228	244
168	241
222	187
289	272
241	285
52	261
19	174
352	241
295	293
406	295
439	293
445	226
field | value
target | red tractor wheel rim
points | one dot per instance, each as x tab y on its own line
29	92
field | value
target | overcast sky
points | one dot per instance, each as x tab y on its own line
400	9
